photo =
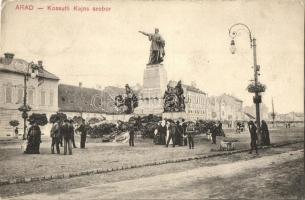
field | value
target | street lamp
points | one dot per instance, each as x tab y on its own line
31	71
257	87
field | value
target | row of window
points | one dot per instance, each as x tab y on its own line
16	95
196	111
196	99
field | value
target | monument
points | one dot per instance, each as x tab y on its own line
154	78
128	102
174	99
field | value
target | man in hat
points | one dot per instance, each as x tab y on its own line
171	133
55	135
162	132
67	135
184	126
83	130
73	133
179	134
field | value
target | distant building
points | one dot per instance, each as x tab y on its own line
195	103
89	102
263	111
225	108
291	116
85	102
41	93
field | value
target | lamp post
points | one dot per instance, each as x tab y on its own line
257	88
31	71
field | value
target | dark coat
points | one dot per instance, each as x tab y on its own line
34	134
252	130
67	131
162	130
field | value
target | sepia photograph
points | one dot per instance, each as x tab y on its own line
152	99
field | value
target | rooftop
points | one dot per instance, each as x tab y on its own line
187	87
80	99
19	66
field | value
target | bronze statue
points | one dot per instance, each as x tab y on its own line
174	99
179	92
128	103
157	52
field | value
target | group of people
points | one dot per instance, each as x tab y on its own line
253	134
215	130
175	133
167	131
62	134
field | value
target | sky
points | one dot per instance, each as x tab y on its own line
105	48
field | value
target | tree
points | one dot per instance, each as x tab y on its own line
40	119
58	116
14	123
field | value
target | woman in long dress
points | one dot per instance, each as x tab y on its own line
265	133
34	139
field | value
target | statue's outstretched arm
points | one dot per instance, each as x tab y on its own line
144	33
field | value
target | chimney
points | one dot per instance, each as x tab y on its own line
8	57
80	84
40	64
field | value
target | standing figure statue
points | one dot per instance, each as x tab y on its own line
179	92
157	52
128	102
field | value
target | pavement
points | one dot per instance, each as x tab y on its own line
191	184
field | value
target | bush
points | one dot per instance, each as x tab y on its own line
151	118
149	129
78	119
14	123
40	119
58	116
203	126
100	130
95	120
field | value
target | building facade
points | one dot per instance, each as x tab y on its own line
225	108
41	94
196	102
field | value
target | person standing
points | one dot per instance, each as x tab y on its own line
179	134
253	135
55	135
214	130
265	133
67	130
83	134
184	125
157	134
162	132
171	133
73	134
220	130
131	136
190	138
34	139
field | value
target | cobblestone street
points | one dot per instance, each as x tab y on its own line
112	155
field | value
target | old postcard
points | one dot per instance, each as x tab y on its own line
152	99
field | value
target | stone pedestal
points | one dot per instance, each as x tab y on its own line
175	115
154	86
